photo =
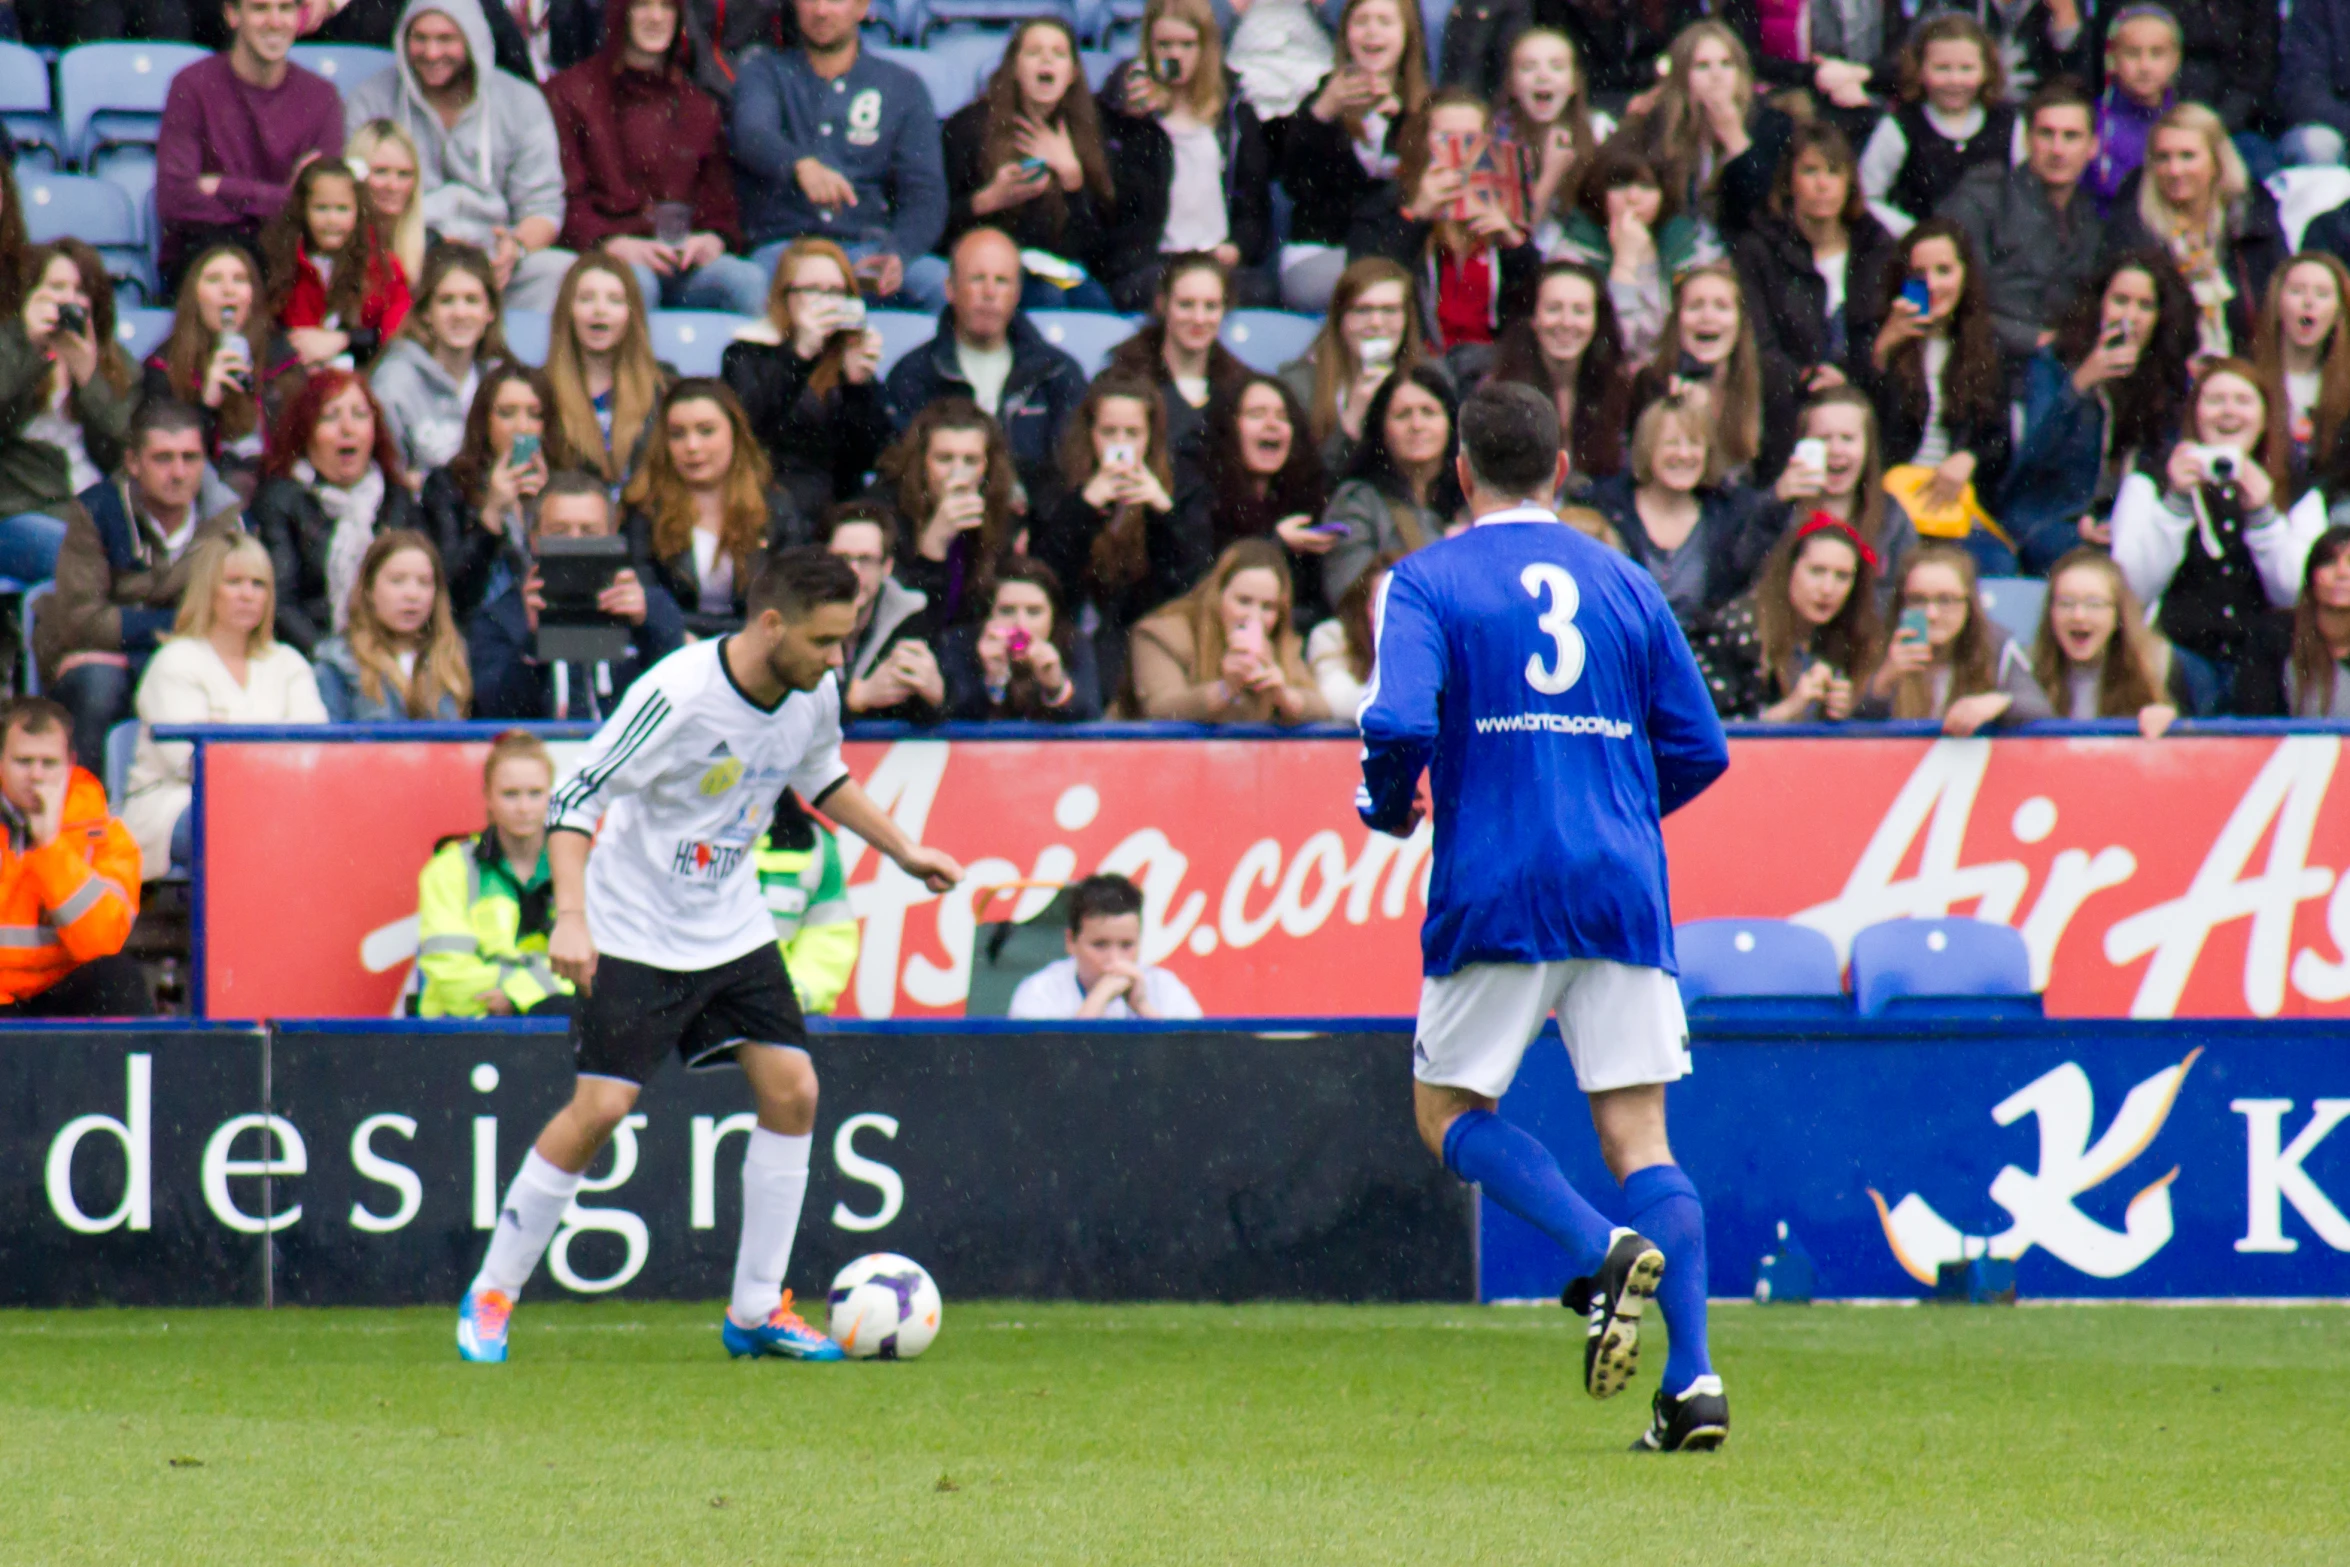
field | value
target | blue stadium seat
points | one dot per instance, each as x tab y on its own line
937	12
1268	339
345	65
1086	336
1432	16
99	211
133	168
1097	65
948	80
112	93
902	331
692	340
26	108
2013	603
141	332
1943	966
1758	969
526	335
122	746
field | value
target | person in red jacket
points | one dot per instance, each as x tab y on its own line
645	171
334	287
69	878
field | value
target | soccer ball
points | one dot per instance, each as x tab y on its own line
884	1307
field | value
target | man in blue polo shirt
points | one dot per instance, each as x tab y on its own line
1540	680
831	142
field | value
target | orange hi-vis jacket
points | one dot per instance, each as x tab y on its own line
71	902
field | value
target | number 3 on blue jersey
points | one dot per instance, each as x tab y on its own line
1558	622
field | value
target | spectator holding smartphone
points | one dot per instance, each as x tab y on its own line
219	360
1026	157
1838	469
2102	399
509	680
1401	491
1227	652
808	377
2094	655
399	656
2303	354
1340	152
887	669
480	504
950	477
1949	660
67	393
1188	159
1935	374
1709	355
1795	649
427	380
1572	352
1026	660
1372	329
1814	263
2206	539
1103	979
1129	533
701	511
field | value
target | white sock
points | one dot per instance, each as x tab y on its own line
775	1183
534	1207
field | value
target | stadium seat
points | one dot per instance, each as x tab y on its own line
26	107
141	332
345	65
935	13
1006	951
949	80
133	168
1947	966
96	210
122	745
526	335
1758	969
692	340
2013	603
902	331
1097	65
112	93
1086	336
1268	339
28	669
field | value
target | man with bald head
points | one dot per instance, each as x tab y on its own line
987	351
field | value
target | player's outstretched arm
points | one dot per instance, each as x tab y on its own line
854	809
571	951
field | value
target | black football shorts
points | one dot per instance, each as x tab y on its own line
636	1014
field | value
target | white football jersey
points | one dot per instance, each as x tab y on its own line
684	777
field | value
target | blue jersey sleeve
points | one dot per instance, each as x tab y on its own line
1683	731
1399	716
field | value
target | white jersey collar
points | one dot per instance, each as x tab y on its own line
1527	512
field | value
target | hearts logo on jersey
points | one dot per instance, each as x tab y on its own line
723	777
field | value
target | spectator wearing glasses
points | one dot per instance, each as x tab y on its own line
1796	649
501	640
1026	660
69	878
1961	668
124	564
2094	655
1103	978
887	666
808	377
1372	329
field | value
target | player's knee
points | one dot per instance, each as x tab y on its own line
1435	1108
783	1081
600	1104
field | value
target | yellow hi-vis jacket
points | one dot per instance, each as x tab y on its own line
805	893
477	931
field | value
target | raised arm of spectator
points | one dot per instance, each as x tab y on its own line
2280	547
2315	57
1401	719
2150	531
1684	735
91	902
918	182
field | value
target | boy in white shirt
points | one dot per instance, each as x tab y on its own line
1103	975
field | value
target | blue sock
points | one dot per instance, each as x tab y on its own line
1520	1174
1665	1209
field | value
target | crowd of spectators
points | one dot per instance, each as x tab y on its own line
1843	310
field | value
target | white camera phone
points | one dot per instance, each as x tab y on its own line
1119	456
2219	462
1812	452
1378	353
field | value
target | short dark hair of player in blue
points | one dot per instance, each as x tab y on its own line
1103	897
795	581
1542	683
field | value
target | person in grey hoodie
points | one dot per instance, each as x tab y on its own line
491	169
425	381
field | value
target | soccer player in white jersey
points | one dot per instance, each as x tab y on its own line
1541	681
661	926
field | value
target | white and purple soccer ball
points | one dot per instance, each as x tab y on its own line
884	1307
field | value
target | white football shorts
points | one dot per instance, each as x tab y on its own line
1622	1024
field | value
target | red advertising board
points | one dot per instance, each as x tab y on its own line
2184	877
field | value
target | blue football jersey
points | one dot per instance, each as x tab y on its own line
1541	680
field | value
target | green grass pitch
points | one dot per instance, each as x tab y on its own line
1041	1434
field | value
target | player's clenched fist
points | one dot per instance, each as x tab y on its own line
933	868
571	950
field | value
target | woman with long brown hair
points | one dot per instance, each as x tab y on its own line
331	482
68	394
1709	353
2302	350
219	360
701	510
1948	659
1795	649
2094	655
1709	135
334	289
1571	350
1935	374
1026	157
400	655
426	379
808	376
1372	330
1339	156
1178	348
1227	652
600	358
2305	672
950	477
1474	274
481	504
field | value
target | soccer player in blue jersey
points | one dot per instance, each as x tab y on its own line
1540	680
